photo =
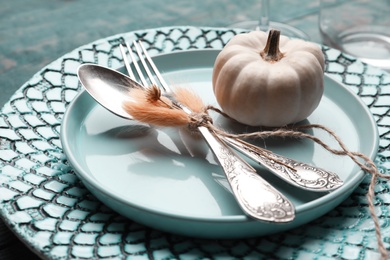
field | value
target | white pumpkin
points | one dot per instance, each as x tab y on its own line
268	80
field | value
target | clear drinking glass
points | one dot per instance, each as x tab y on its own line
360	28
264	24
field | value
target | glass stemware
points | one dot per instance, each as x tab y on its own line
264	24
359	28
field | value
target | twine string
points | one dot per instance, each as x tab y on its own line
363	161
151	107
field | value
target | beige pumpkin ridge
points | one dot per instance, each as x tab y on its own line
268	81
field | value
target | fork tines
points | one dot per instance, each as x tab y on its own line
147	65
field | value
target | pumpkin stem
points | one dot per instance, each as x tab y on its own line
271	51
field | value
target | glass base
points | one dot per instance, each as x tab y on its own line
284	29
370	44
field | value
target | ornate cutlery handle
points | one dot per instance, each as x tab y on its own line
255	195
296	173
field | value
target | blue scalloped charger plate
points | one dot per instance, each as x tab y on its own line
168	179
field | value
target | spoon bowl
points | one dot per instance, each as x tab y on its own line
108	87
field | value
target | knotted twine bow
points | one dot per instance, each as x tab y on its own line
150	106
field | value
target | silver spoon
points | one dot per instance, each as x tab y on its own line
256	197
114	86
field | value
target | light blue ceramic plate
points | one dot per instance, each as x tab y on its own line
169	180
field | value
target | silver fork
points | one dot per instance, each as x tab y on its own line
296	173
257	198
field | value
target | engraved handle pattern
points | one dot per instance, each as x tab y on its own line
296	173
255	195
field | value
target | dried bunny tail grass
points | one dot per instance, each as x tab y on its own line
146	108
153	94
190	99
195	103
